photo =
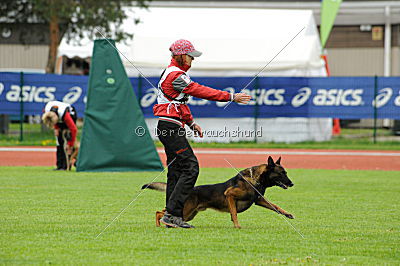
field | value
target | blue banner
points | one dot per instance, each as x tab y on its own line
335	97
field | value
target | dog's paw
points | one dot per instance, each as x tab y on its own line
290	216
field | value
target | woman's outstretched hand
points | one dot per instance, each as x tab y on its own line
241	98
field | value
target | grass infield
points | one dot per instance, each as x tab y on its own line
47	217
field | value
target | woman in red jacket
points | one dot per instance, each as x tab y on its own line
174	89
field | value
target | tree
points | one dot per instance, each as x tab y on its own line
73	19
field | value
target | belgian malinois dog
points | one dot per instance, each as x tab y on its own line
235	195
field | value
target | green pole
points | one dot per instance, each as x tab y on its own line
375	107
21	108
256	107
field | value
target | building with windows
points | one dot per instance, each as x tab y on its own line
365	40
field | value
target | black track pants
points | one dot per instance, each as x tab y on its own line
61	158
184	169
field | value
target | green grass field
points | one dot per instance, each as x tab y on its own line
47	217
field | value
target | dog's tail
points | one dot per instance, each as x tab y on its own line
160	186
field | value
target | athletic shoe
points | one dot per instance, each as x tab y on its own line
171	221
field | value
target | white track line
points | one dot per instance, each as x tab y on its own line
248	152
329	153
52	149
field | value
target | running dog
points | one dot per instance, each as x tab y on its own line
235	195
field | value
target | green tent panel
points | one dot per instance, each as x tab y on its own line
109	140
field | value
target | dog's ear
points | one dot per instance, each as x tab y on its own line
270	161
245	172
278	161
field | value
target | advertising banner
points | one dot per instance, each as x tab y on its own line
338	97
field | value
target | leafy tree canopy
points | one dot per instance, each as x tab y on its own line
76	18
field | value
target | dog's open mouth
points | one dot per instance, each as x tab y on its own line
282	185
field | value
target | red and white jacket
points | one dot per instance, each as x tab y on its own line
175	87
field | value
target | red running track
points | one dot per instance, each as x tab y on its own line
239	158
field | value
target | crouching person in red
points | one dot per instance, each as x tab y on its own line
174	89
62	117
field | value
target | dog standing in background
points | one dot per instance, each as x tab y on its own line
235	195
71	155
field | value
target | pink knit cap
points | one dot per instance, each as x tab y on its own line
180	47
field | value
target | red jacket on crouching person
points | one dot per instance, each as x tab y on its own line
174	89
